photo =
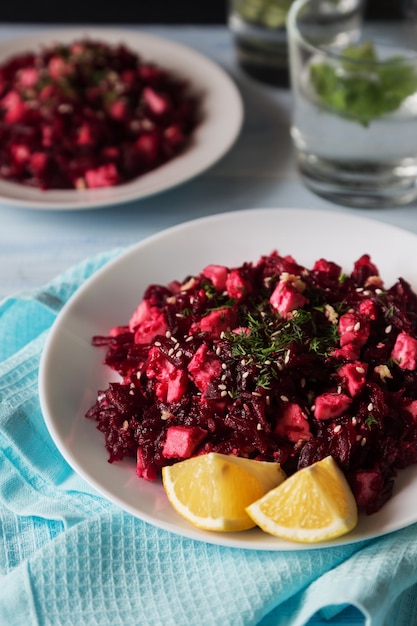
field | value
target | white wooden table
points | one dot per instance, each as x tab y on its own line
259	171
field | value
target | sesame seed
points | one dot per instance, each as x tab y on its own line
358	437
312	408
223	377
221	386
218	351
131	392
279	366
388	329
174	339
245	375
284	398
256	394
267	362
360	370
224	366
170	351
363	441
179	354
370	406
359	289
243	362
177	345
337	429
339	389
267	400
138	375
349	328
223	393
168	334
378	291
357	326
65	108
258	426
158	344
222	335
287	356
189	338
125	425
354	420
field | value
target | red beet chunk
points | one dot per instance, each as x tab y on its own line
181	441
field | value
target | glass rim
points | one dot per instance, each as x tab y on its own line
294	34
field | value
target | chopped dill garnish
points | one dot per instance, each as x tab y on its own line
370	420
389	312
209	289
269	336
220	300
227	304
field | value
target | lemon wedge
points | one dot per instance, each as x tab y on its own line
212	490
314	504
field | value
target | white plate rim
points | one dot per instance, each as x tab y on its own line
92	292
213	138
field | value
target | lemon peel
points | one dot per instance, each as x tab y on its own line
212	491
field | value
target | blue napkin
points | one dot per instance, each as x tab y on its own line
69	557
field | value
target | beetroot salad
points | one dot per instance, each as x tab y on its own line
88	114
269	361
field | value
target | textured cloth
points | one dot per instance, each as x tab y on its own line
69	557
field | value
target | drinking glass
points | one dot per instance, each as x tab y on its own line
259	31
354	85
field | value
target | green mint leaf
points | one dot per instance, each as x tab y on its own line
363	92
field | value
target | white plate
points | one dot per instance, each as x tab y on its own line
71	370
222	111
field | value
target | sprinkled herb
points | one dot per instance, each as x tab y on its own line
209	289
371	420
269	337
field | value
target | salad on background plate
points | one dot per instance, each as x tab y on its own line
91	117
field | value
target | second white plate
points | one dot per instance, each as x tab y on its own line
222	120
